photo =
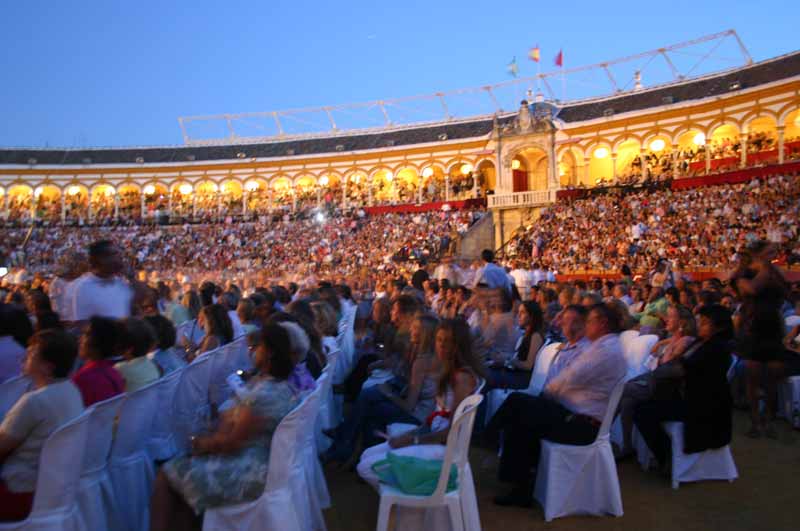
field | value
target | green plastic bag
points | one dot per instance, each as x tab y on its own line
413	475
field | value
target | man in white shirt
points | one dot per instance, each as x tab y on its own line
569	410
102	292
491	275
522	279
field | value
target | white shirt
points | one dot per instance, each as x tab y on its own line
523	279
238	330
94	296
493	276
585	385
12	355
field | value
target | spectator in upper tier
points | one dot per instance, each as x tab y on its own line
101	291
97	379
138	338
53	401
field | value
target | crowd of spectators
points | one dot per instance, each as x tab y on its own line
697	228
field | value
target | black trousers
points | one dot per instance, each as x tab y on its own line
525	420
648	418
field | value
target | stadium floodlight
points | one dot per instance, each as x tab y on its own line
149	189
185	189
323	181
74	189
466	169
699	139
515	164
600	153
427	172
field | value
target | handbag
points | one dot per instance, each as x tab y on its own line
413	475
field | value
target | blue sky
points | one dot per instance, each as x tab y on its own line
100	73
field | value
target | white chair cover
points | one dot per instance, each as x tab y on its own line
496	397
224	361
456	510
789	400
627	337
10	391
162	445
55	506
327	408
284	505
581	479
636	352
96	495
190	409
313	486
346	338
131	467
708	465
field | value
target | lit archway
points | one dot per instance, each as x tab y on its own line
628	162
156	197
486	174
48	202
76	202
791	135
130	200
567	169
20	198
407	185
232	192
723	141
383	186
433	183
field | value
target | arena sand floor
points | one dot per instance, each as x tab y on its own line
765	497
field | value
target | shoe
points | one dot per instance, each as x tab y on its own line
518	497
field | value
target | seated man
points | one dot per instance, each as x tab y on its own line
573	324
569	410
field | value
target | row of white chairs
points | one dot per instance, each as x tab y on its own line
109	485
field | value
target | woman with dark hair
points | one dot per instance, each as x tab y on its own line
53	401
701	399
516	373
15	330
216	323
164	355
760	335
97	379
460	376
230	465
137	369
304	316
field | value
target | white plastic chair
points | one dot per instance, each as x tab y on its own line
461	504
544	358
11	390
130	466
708	465
162	445
636	352
96	494
574	479
277	508
55	506
627	337
190	408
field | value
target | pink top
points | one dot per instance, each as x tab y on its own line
98	381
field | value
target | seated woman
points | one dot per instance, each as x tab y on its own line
138	338
216	323
230	465
164	355
382	404
681	329
97	379
459	378
53	401
15	331
702	400
516	373
246	311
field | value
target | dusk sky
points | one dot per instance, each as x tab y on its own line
112	73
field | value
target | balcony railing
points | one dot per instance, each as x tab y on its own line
522	199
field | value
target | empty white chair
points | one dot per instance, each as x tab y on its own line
190	408
96	494
277	508
162	444
55	506
130	466
11	390
575	479
636	352
461	503
544	358
789	400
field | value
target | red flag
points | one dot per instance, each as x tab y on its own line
560	58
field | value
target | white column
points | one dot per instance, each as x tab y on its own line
269	207
674	161
587	177
219	203
294	199
780	144
319	197
743	148
91	212
643	162
344	193
141	206
245	195
708	157
169	204
63	207
116	206
447	188
194	206
369	194
419	190
613	167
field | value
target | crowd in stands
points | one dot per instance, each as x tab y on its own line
697	228
423	343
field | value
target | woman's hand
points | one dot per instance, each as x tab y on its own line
401	441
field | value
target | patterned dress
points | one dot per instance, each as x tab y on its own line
214	480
